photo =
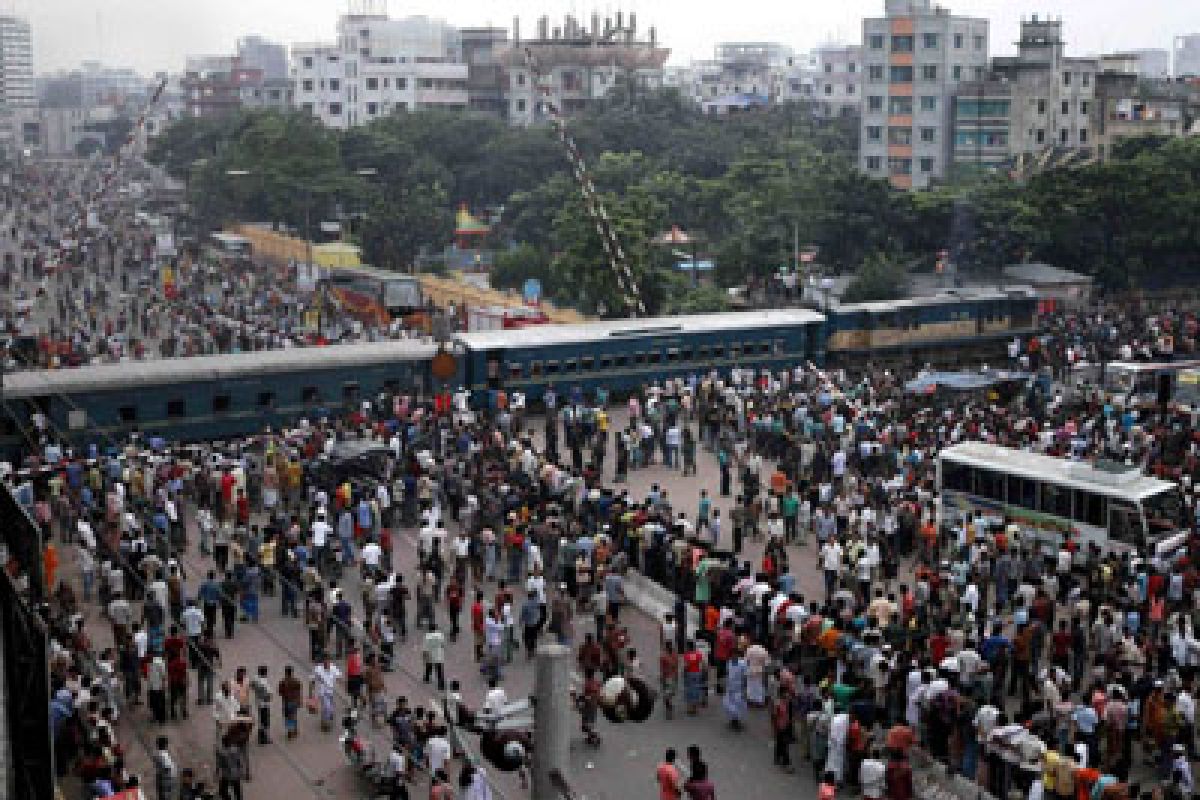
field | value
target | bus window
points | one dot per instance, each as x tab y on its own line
1022	492
1125	523
1091	509
1056	500
989	484
957	477
1164	511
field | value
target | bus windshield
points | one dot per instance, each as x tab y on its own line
1164	511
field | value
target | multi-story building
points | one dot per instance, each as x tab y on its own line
837	80
914	58
1187	56
1127	108
485	77
1037	99
16	63
212	85
270	59
579	66
1153	63
379	65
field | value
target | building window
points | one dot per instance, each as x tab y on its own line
1086	77
1083	136
850	88
956	72
1064	136
958	41
929	72
980	42
874	163
307	85
929	41
874	133
308	107
1041	136
1041	106
372	84
900	166
1083	107
928	135
334	84
335	109
829	88
1066	79
900	136
899	105
852	68
401	83
521	105
902	74
308	62
929	103
926	165
1066	106
520	79
372	109
876	41
875	103
828	67
875	72
902	44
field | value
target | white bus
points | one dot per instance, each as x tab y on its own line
1114	507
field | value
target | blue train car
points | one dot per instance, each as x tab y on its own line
621	355
953	324
209	397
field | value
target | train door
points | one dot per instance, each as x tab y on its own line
494	370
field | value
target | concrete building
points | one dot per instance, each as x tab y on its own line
1187	56
379	65
212	85
1128	108
837	80
915	57
485	76
1035	100
270	59
579	65
16	63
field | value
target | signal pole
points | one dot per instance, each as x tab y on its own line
553	716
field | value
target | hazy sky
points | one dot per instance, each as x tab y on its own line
156	34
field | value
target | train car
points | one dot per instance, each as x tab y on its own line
621	355
949	326
209	397
374	296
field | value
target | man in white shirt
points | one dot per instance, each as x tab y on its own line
831	563
323	683
372	555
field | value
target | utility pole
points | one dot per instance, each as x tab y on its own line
553	715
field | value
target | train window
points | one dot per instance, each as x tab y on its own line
703	353
222	403
551	367
686	354
176	408
350	391
606	363
267	399
639	357
718	352
570	366
514	371
391	386
735	351
654	356
310	394
535	369
127	414
587	363
76	419
779	346
672	354
620	361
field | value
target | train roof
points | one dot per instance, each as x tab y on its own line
1115	481
947	296
163	371
636	328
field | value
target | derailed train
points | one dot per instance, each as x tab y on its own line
212	397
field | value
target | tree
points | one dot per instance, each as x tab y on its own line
877	280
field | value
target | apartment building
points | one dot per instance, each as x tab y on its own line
915	57
379	65
837	80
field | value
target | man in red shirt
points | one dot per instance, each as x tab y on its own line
723	648
668	777
177	683
1061	646
477	624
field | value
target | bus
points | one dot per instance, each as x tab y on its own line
1115	507
374	296
1145	382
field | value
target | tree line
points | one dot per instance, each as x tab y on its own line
748	187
